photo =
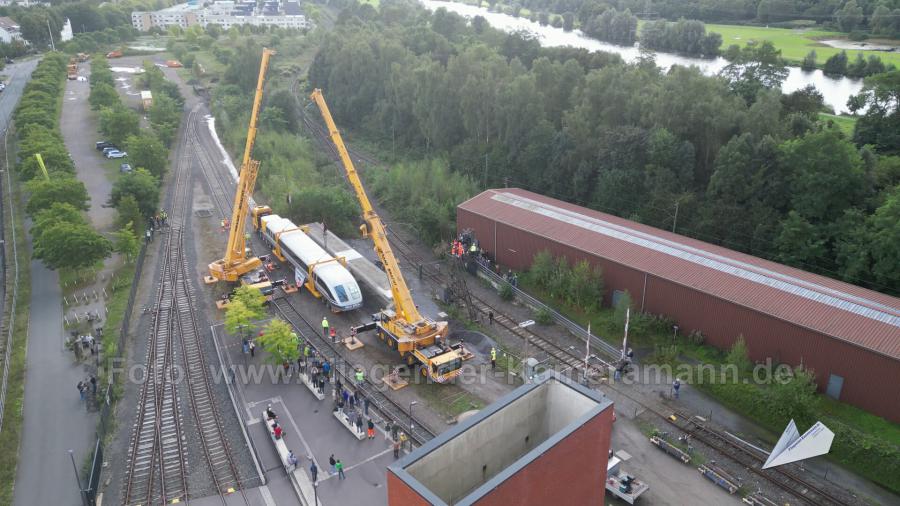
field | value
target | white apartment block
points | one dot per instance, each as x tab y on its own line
223	13
9	30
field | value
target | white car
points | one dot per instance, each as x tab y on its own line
116	154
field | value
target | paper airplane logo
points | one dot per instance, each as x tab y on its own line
792	446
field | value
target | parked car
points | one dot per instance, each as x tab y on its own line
107	149
9	60
125	168
116	154
103	144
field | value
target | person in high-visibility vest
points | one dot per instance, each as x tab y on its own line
360	376
493	358
325	326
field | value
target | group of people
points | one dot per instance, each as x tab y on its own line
87	386
81	344
624	364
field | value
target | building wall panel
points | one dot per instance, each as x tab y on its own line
551	478
868	376
401	494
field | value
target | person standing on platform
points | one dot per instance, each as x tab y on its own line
325	327
331	461
493	358
313	472
340	469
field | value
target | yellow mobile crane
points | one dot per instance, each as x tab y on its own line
418	339
236	262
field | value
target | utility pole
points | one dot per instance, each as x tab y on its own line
52	45
675	220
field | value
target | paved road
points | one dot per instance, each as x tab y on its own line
80	134
17	75
55	419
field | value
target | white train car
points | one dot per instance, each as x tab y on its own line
331	279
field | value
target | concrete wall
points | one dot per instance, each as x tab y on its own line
498	441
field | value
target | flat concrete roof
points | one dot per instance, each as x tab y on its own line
465	463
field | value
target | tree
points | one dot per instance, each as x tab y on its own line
141	185
800	243
858	67
794	398
850	17
885	240
129	215
280	342
239	319
117	123
880	125
739	356
827	175
103	95
59	212
146	152
758	66
57	189
252	299
126	242
71	246
836	64
809	61
568	21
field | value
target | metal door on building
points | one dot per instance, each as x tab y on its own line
835	384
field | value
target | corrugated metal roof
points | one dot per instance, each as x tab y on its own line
840	310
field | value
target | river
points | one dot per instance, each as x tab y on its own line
835	91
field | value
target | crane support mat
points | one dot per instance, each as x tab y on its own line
353	344
345	420
671	449
209	280
719	478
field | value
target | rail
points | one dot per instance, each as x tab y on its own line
390	410
576	329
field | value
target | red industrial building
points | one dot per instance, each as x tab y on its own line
849	336
546	442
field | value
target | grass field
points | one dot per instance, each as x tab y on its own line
845	123
794	44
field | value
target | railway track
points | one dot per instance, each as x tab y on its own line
157	461
419	433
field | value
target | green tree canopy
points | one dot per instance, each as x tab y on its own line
126	242
129	215
278	340
117	123
141	185
59	212
146	152
71	246
103	95
44	193
252	299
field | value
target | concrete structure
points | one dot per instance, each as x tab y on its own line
849	336
9	30
546	442
223	13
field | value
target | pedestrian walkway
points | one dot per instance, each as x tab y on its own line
55	420
310	431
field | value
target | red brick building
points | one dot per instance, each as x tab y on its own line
545	443
849	336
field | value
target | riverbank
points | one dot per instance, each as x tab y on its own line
795	44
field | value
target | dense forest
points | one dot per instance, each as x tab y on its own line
739	163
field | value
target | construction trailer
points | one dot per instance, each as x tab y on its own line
146	100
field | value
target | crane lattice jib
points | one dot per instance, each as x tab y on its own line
249	170
406	308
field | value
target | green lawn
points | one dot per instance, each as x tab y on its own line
845	123
794	44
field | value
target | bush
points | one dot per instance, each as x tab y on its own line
505	291
543	316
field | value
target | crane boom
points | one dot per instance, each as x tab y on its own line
406	308
236	263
